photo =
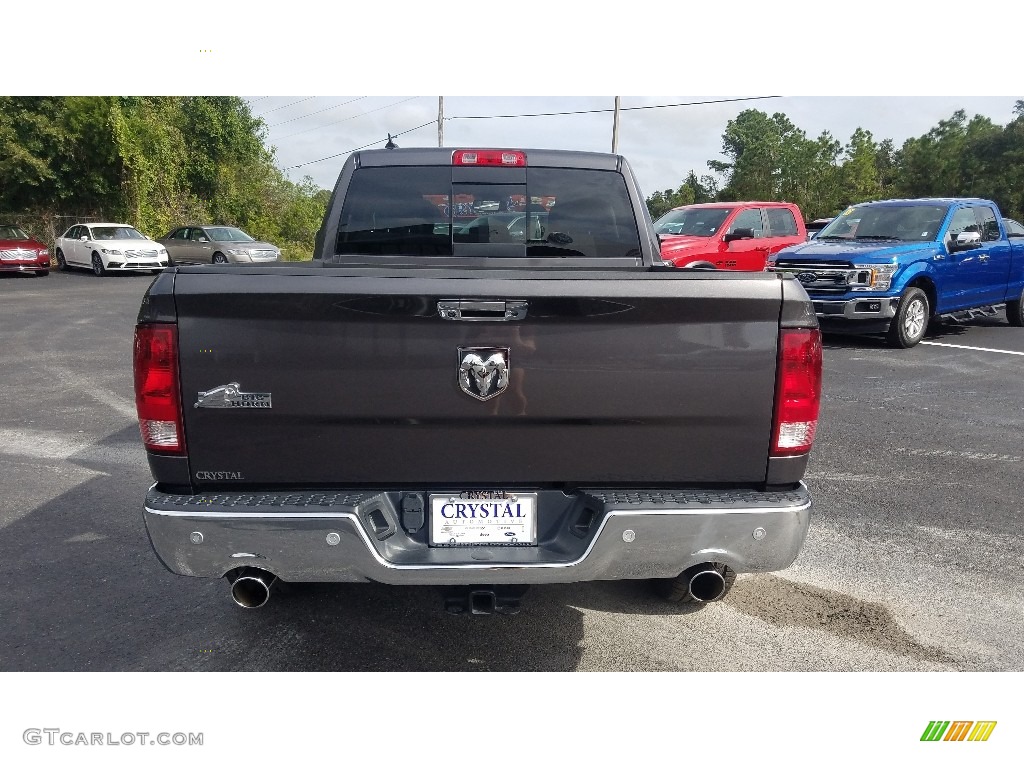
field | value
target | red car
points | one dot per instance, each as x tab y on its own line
20	253
728	235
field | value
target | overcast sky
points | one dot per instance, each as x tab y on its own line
662	145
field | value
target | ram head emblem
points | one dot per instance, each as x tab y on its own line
483	371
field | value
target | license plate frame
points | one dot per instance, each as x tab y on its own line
457	520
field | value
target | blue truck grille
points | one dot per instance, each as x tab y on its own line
817	276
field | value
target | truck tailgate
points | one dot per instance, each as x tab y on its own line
634	378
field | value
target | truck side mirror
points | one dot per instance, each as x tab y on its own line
738	234
965	241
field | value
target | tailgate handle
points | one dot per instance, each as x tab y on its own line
481	311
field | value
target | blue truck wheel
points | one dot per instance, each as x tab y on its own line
911	321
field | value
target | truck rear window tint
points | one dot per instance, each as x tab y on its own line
781	221
389	212
417	210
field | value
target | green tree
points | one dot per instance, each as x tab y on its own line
859	172
88	168
661	203
31	135
811	176
770	158
704	189
152	151
1008	170
961	158
930	164
155	162
887	168
753	142
220	131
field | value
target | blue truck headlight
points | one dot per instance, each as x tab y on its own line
880	275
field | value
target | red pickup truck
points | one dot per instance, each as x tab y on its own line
728	235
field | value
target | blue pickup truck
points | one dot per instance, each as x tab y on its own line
892	266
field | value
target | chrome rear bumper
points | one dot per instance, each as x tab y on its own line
632	535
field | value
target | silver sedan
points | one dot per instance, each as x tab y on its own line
215	244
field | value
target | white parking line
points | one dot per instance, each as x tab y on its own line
121	405
46	444
960	454
41	444
844	477
974	349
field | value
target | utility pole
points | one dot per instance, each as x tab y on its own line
440	121
615	128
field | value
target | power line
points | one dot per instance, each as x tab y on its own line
348	152
489	117
285	106
310	114
598	111
344	119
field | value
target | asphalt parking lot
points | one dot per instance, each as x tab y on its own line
914	559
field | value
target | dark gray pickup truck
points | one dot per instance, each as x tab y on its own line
442	397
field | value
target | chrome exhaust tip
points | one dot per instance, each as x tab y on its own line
250	587
706	583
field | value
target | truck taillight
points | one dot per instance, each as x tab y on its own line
797	391
505	157
157	395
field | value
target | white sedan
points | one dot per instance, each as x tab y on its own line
107	248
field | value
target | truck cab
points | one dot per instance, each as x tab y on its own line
893	265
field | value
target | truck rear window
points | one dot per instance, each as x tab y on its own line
420	210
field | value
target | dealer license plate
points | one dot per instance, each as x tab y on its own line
495	518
